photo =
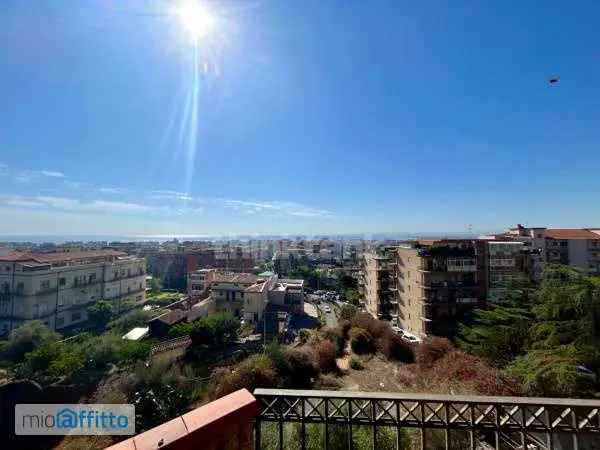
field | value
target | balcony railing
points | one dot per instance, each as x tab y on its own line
283	419
430	421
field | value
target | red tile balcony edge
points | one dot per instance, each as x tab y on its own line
215	425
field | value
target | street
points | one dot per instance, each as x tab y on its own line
331	319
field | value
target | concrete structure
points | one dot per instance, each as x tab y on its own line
58	288
377	286
575	247
506	265
437	282
425	286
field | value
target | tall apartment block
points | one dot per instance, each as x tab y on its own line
58	288
377	284
438	282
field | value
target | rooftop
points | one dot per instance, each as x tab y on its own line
570	233
54	257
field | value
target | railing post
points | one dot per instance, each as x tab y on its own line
257	443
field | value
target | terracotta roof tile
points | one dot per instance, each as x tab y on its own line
570	233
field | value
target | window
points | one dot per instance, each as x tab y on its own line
60	321
75	316
20	287
62	281
45	284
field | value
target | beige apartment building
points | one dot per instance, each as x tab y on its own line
57	288
377	285
425	286
244	295
575	247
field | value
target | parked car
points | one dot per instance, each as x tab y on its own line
397	330
410	338
327	309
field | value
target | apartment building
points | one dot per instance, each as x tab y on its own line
244	294
58	288
437	282
377	284
506	264
575	247
425	286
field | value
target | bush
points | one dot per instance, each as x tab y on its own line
376	328
100	314
326	353
25	339
356	363
473	373
431	350
303	367
344	326
334	335
328	383
276	354
257	371
126	322
347	312
361	341
393	347
303	336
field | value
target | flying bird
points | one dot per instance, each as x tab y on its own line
553	80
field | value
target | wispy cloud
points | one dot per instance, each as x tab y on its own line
51	173
29	175
111	190
170	195
289	208
75	205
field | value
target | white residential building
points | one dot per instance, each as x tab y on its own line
57	288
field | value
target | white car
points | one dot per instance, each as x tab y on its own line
410	338
327	309
397	330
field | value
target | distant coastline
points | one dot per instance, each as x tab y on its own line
61	239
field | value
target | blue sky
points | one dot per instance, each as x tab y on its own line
311	117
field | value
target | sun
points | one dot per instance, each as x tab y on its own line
195	18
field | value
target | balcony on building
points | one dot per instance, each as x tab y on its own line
282	419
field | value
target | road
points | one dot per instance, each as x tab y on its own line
331	319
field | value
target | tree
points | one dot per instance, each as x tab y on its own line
500	333
215	331
567	311
100	313
345	282
155	284
25	339
549	372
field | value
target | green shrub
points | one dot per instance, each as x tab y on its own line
361	341
25	339
356	363
303	336
347	312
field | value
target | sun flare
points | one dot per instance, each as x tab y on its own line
195	19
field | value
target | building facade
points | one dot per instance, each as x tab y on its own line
57	288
